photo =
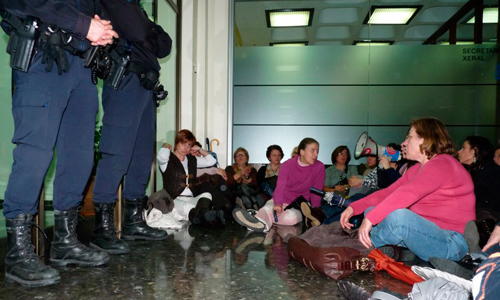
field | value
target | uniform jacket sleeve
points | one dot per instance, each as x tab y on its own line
60	13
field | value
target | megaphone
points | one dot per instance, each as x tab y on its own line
366	146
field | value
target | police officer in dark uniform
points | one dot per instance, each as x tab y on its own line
52	108
63	15
127	140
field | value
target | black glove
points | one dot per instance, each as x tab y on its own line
53	52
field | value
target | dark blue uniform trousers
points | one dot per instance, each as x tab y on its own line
51	111
127	141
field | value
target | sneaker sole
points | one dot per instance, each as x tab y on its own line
29	283
306	211
239	217
65	262
471	236
109	251
246	244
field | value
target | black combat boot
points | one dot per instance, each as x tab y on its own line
66	248
134	225
22	265
104	234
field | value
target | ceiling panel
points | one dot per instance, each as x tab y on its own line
340	22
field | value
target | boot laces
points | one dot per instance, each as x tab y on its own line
24	238
108	222
73	222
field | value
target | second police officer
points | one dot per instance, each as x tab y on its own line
128	132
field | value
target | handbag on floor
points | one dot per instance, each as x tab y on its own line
334	262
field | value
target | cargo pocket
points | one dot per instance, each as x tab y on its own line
30	110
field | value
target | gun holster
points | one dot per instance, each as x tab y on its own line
21	44
118	69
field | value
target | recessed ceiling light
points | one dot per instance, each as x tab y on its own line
458	43
490	16
289	17
373	43
391	15
292	44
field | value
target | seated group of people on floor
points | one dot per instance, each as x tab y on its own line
422	203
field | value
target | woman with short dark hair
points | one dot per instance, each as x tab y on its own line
477	156
427	209
475	152
336	176
267	176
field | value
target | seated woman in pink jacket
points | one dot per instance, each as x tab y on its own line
297	175
425	210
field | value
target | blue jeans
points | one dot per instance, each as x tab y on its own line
333	212
405	228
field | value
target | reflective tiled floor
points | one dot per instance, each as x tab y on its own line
198	263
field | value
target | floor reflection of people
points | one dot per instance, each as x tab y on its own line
277	250
203	265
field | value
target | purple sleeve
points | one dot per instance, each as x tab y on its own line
279	192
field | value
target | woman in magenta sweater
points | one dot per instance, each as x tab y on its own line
425	210
297	176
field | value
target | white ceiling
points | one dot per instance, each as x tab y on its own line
340	22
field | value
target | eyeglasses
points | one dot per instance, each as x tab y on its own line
240	155
342	153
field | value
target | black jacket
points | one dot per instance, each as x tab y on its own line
71	15
487	188
130	21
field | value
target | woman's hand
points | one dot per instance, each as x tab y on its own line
245	174
222	173
345	216
195	151
384	161
339	188
364	233
167	145
494	238
355	181
246	171
278	209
